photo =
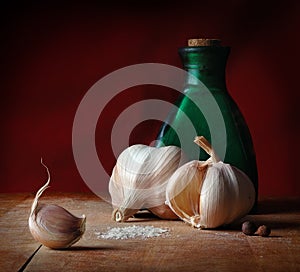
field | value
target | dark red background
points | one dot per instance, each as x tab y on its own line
51	54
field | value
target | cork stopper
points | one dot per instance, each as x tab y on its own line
204	42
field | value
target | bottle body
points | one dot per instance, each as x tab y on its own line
207	63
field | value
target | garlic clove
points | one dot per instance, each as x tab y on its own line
55	227
183	191
52	225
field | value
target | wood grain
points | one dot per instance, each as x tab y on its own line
184	249
16	245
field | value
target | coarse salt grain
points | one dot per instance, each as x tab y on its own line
132	232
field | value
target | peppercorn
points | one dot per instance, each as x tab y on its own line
249	228
263	231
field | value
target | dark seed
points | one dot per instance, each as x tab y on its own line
249	228
263	231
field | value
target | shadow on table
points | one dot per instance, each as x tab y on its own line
88	248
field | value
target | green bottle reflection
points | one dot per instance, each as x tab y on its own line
206	60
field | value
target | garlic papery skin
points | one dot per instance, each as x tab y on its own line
52	225
227	194
139	180
209	194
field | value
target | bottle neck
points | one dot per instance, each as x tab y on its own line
207	63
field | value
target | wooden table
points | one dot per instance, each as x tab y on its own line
184	249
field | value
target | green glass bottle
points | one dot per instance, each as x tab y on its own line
206	60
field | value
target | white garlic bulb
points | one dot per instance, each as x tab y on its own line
139	180
209	194
52	225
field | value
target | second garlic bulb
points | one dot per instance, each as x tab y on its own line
209	194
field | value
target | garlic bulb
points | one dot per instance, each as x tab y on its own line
52	225
139	180
209	194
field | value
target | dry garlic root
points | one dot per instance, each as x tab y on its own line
139	180
209	194
52	225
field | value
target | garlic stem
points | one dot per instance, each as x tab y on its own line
206	146
41	190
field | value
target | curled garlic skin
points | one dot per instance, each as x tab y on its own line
52	225
209	194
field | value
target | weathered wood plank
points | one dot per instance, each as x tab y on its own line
185	249
8	201
16	243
